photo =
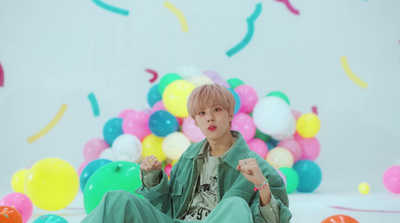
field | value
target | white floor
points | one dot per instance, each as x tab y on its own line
306	207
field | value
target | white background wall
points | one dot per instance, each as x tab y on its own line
56	52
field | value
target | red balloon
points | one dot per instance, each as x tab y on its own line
9	215
340	218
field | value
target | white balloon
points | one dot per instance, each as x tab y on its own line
108	154
272	115
200	80
127	147
288	132
186	71
175	144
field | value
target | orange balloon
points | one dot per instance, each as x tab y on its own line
9	215
340	218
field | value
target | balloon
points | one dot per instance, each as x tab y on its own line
93	148
234	82
112	129
292	179
118	175
167	169
153	96
127	148
88	171
187	71
200	80
175	144
288	132
262	136
83	164
363	188
152	145
308	125
9	215
340	218
293	146
281	174
157	107
216	78
243	123
20	202
310	147
125	113
18	180
190	129
296	114
248	98
51	184
50	218
137	124
167	80
162	123
310	175
175	97
237	101
258	146
279	95
391	179
280	157
108	154
272	115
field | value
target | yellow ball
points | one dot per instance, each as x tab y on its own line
152	145
363	188
280	157
18	181
51	184
175	97
308	125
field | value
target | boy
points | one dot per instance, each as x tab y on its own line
217	180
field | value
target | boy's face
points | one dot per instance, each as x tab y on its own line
214	121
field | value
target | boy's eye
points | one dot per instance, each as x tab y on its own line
217	109
201	113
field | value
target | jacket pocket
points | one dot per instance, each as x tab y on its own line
177	198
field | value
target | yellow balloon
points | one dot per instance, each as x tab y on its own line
152	145
308	125
175	144
18	181
51	184
175	97
363	188
280	157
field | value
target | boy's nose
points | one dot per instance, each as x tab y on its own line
210	118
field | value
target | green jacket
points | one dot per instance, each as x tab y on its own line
173	197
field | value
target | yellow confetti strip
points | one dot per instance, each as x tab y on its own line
178	14
350	74
49	126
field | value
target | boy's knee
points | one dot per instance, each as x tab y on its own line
120	196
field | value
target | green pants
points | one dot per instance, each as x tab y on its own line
124	207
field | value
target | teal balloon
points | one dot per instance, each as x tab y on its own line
279	94
237	100
50	218
117	175
162	123
234	82
112	129
166	80
154	96
292	179
310	175
89	169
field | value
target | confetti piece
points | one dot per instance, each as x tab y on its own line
155	75
289	6
250	32
179	14
314	109
6	216
95	105
1	76
350	74
111	8
362	210
49	126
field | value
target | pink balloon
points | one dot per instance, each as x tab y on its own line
391	179
248	98
191	131
93	148
157	107
259	146
293	146
281	174
82	166
244	123
310	147
20	202
180	120
296	114
167	169
137	124
125	113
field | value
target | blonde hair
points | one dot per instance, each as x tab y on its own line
208	95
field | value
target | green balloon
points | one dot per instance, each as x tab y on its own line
279	95
166	80
117	175
292	179
234	82
262	136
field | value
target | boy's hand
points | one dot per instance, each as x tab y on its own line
150	163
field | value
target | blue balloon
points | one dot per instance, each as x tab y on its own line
162	123
89	169
112	129
50	218
154	96
310	175
237	100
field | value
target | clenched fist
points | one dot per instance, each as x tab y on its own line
150	163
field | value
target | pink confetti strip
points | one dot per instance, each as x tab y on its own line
155	75
314	109
290	7
1	76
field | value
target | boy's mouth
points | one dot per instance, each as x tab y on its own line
212	128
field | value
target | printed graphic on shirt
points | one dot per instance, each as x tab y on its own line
206	197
